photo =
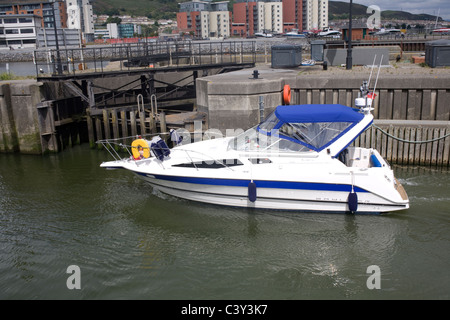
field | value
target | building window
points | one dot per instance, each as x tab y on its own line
26	31
9	20
12	31
25	20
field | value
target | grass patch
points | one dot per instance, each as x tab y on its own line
11	76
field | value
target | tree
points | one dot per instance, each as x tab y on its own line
113	20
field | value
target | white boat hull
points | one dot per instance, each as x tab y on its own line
286	199
298	187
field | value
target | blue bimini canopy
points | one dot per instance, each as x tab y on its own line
315	126
313	113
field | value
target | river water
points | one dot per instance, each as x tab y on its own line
130	242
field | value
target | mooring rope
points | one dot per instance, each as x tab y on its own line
410	141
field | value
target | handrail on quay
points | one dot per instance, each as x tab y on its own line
142	56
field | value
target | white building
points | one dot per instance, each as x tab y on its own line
215	24
270	17
315	14
80	16
204	18
113	30
19	31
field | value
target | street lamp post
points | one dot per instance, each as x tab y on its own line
58	56
349	48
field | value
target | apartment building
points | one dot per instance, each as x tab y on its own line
292	15
44	9
271	16
315	14
254	17
19	30
204	19
81	17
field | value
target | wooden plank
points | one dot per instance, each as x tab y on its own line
142	122
389	144
423	146
429	146
383	106
433	105
124	122
302	96
98	128
412	149
322	97
395	145
375	107
400	146
342	96
348	99
442	109
403	105
417	147
411	105
91	132
115	124
390	103
426	105
406	146
397	102
106	124
133	123
328	96
315	96
335	96
441	146
418	107
379	137
384	142
435	144
354	96
372	137
446	153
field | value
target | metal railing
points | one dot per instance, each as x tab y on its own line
144	55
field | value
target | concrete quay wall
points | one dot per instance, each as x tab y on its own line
19	125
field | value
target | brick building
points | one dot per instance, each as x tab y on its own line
41	8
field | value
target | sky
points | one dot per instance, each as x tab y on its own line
413	6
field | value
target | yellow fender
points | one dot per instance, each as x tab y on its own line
138	144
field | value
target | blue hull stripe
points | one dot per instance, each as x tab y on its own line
260	183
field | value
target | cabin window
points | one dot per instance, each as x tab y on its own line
212	164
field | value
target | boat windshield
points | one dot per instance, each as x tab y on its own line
255	139
316	135
300	128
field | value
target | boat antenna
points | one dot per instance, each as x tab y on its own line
364	90
376	80
371	70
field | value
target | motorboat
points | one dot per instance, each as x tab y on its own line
294	34
299	158
330	34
